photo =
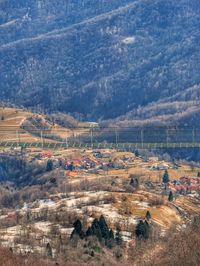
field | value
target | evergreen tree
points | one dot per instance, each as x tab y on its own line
49	166
49	250
165	177
89	232
136	153
103	227
53	181
78	226
111	234
96	230
148	215
71	166
171	196
139	230
146	231
134	182
78	229
100	229
110	241
142	230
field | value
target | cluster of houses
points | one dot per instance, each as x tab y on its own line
77	164
87	163
185	185
97	160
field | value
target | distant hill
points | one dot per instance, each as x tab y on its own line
98	59
18	125
182	109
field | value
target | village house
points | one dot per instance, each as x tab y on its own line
160	166
185	185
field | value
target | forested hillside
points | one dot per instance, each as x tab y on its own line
101	59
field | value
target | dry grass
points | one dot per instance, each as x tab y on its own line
188	204
14	118
132	206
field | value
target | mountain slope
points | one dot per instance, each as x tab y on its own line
99	60
18	125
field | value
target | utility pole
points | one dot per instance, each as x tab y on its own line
193	135
142	138
66	142
91	137
116	136
18	138
41	138
167	136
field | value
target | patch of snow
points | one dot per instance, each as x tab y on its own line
163	233
46	203
112	214
9	23
129	40
141	203
43	226
13	230
3	217
67	231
